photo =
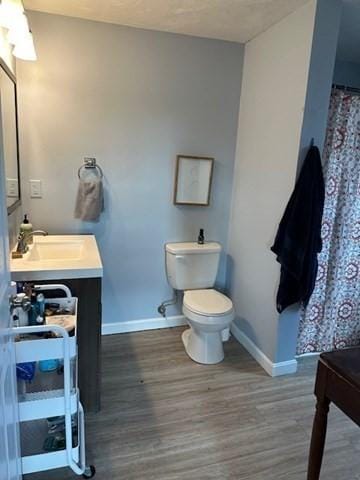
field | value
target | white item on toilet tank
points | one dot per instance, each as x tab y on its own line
190	266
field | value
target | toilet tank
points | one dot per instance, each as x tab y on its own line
190	266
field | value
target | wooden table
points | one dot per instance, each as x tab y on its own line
337	381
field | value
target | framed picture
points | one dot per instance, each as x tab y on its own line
193	177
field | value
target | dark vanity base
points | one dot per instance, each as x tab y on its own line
88	291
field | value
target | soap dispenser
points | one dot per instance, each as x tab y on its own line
26	227
201	238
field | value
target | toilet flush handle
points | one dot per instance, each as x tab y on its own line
180	257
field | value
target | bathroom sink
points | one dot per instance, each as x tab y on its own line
55	250
58	257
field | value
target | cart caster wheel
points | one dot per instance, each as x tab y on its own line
89	472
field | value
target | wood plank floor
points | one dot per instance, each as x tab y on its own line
165	417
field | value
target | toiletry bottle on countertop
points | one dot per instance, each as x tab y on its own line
26	227
201	238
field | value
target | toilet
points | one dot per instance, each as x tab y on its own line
192	268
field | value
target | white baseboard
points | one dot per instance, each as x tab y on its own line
143	324
273	369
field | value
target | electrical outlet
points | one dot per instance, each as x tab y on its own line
12	188
35	189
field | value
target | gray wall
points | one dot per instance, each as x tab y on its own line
270	122
323	54
133	99
270	153
347	73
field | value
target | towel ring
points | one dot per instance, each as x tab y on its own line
90	163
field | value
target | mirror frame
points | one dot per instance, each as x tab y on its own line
12	77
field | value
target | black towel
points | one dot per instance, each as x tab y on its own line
298	240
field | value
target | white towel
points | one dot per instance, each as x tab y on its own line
89	200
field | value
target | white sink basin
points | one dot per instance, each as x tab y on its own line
58	257
55	250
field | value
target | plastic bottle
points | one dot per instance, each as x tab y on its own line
201	238
26	227
40	306
22	316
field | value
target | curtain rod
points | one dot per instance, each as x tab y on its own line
346	89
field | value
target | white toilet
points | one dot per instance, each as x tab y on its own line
193	268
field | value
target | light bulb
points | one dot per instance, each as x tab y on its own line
25	49
18	30
9	11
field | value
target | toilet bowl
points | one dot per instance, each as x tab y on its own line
208	313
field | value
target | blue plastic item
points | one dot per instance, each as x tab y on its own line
48	365
25	371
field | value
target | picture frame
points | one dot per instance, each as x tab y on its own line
193	180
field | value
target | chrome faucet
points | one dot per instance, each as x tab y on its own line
22	246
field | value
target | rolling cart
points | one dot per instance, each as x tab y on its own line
56	397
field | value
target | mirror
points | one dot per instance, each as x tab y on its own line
9	137
193	180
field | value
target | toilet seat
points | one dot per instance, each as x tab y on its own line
208	302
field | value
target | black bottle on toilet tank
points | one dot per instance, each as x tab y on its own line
201	238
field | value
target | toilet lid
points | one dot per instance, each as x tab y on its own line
207	302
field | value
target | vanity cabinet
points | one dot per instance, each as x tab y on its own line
88	291
74	261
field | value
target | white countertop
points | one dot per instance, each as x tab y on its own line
69	256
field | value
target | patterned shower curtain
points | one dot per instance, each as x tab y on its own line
332	317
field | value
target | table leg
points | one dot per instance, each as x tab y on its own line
318	439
